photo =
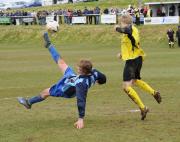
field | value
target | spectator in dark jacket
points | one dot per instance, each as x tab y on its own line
178	35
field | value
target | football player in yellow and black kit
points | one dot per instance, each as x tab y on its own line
133	55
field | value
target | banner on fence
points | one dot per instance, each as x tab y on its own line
161	20
108	19
5	20
79	20
28	20
49	19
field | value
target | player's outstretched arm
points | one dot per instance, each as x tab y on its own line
54	53
81	93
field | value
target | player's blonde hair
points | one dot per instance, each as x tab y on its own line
125	20
85	66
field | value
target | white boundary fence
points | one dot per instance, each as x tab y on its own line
161	20
103	19
79	20
108	19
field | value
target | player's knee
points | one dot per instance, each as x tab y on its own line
45	93
127	84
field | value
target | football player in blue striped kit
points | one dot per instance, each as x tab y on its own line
70	85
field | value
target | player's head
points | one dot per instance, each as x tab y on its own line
125	20
84	67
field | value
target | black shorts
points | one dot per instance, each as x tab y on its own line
171	39
132	69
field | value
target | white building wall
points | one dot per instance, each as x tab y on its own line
47	2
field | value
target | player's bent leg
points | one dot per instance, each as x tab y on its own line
45	93
157	97
24	102
144	113
54	53
29	102
146	87
62	65
57	58
132	94
135	97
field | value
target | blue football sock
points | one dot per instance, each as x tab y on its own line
35	99
55	55
47	40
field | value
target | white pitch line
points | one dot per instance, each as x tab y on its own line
134	110
125	111
10	98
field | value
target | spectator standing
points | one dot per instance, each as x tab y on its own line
145	11
97	11
90	13
170	36
85	12
159	12
137	15
59	14
64	12
69	16
172	10
106	11
149	12
163	10
178	35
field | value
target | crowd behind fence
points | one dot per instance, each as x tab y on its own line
94	16
92	19
66	16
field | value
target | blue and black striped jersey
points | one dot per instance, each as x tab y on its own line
82	84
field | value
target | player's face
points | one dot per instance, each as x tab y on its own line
79	70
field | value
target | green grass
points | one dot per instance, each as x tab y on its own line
26	69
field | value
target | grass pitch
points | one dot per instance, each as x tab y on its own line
26	68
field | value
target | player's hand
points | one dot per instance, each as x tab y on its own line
119	56
79	124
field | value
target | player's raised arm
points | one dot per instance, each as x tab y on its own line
54	53
125	30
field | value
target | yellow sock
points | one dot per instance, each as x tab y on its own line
134	96
143	85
